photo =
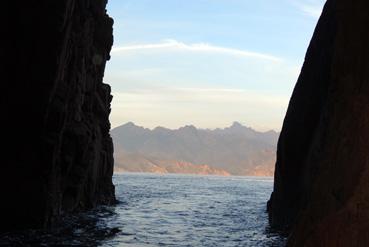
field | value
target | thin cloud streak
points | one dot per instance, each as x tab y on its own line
313	11
311	8
171	44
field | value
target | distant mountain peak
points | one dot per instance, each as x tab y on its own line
161	129
189	127
129	124
273	132
236	125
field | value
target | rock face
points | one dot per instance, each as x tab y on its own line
57	154
321	190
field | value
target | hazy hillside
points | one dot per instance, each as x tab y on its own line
237	150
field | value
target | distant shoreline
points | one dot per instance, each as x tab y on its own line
190	174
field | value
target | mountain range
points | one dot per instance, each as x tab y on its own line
235	150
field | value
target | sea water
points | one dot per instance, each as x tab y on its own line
170	210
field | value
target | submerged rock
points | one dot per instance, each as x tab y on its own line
321	191
57	153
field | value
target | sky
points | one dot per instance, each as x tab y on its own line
207	63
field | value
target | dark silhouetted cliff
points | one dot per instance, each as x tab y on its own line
321	190
57	154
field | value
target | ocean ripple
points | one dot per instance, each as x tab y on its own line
169	210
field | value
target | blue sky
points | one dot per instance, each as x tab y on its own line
207	62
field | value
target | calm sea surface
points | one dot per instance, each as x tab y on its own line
170	210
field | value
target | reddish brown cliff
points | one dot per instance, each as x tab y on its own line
321	191
56	148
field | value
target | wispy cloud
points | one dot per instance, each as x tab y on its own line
311	8
173	45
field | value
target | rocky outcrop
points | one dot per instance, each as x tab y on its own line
57	154
321	190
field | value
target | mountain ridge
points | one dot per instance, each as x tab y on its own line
234	150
